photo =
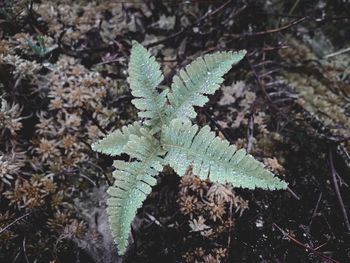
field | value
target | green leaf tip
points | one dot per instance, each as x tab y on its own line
213	158
113	144
202	77
144	78
133	182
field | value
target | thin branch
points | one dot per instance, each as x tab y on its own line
271	31
198	21
153	221
87	178
316	208
337	190
339	52
24	249
230	228
293	194
306	247
293	7
14	222
341	180
316	19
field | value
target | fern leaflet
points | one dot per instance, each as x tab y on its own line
144	77
114	143
213	158
202	76
133	182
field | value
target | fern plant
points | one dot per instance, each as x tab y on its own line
167	137
40	49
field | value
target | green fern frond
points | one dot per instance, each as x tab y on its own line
133	182
213	158
168	137
202	76
114	143
144	78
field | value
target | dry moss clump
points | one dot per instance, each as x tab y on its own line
52	108
210	210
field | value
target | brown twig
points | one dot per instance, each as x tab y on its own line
271	31
267	49
293	194
14	222
183	30
317	19
341	180
24	250
230	228
87	178
337	190
306	247
316	208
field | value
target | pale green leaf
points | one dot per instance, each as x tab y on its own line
213	158
203	76
114	143
133	182
144	78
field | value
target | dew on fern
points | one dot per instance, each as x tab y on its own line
168	137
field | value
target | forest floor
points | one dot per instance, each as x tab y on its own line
63	85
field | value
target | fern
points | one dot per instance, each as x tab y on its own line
114	143
213	158
144	77
133	182
168	137
203	76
